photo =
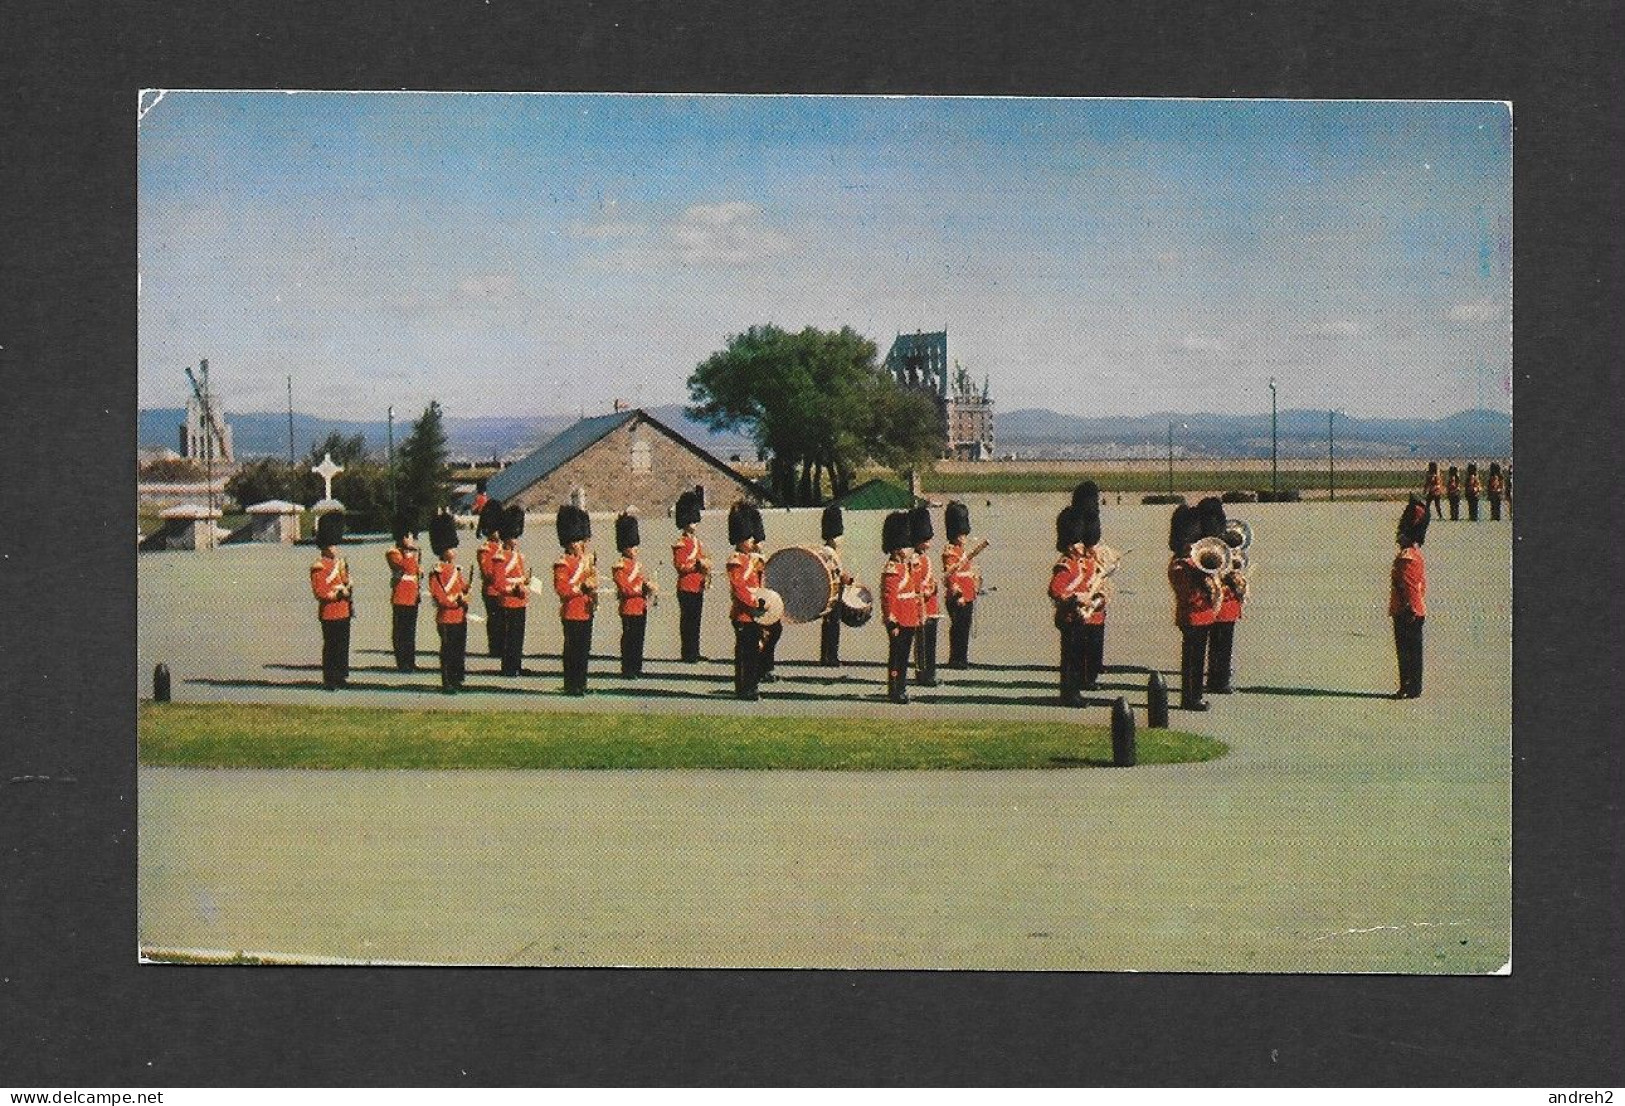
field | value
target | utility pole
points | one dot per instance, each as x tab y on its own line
290	420
1170	457
390	457
1275	448
1331	455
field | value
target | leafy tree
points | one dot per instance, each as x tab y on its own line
422	477
268	478
345	450
816	403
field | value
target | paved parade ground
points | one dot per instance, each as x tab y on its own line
1342	832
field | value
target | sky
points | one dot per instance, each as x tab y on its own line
549	254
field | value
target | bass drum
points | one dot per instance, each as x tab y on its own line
809	582
857	604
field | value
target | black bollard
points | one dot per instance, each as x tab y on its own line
1122	734
1156	702
160	684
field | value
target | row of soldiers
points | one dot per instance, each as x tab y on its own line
1451	487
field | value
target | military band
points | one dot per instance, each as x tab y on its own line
1407	597
1196	600
748	605
1068	592
1232	594
488	528
330	584
1433	488
1495	488
1452	491
832	528
961	581
575	582
513	589
449	590
1474	490
921	534
901	610
693	575
404	595
634	592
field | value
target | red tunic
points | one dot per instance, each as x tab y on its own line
330	584
490	577
573	583
1409	582
925	582
1070	579
1193	601
959	573
449	590
687	555
744	579
1229	603
1434	486
900	602
1473	487
403	576
513	578
629	585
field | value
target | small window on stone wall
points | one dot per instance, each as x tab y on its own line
640	455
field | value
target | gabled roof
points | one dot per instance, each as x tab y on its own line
877	495
581	436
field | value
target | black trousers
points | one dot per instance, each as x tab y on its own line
1192	656
689	605
335	651
829	638
1094	653
1495	508
632	628
577	649
1472	508
902	644
453	650
1438	507
747	658
404	636
1221	645
513	640
1455	508
925	653
1072	653
959	623
493	626
770	645
1408	648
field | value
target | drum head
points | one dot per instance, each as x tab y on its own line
857	605
807	581
775	606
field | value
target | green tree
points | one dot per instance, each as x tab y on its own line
817	403
345	449
422	477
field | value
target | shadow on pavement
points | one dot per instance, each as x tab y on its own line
1314	691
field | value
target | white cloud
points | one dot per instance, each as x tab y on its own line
607	230
1200	343
1477	311
722	235
1335	328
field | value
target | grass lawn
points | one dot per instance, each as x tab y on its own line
210	735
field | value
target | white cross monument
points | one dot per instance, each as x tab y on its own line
327	470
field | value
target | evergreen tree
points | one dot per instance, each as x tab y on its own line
422	477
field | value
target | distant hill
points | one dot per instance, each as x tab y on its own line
1029	432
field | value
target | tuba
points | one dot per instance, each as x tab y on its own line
1107	561
1238	536
1212	555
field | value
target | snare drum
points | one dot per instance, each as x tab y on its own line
808	580
775	606
857	604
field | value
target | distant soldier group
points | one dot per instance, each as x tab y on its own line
1496	487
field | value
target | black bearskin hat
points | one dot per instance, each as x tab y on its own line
490	522
1413	523
1472	470
1089	525
1433	467
833	524
688	509
405	524
894	532
920	529
1495	468
1183	529
513	522
626	532
573	524
1086	496
956	520
1211	513
742	523
329	528
757	529
1068	529
1453	471
442	534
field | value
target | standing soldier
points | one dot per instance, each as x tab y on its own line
925	583
1433	489
1474	490
477	508
1068	586
1452	491
771	631
832	527
1495	487
693	574
1407	597
489	527
635	591
1196	601
513	590
404	594
1086	504
900	608
330	583
449	590
1221	641
962	581
744	582
575	582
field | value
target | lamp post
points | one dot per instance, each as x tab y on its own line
1182	426
1275	475
389	449
1331	455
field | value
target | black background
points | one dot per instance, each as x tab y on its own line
75	1007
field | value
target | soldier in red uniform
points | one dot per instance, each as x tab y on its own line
575	582
635	591
771	631
1086	502
513	590
404	594
1407	597
832	528
744	583
1196	602
693	574
921	534
1433	489
961	581
490	551
1068	590
1475	489
1452	491
1221	640
330	584
901	610
1495	487
449	589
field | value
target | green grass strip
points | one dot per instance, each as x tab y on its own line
994	480
229	735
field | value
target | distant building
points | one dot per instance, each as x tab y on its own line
623	459
920	361
197	439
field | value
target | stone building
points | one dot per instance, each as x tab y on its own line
920	361
610	462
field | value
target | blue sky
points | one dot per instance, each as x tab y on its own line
541	254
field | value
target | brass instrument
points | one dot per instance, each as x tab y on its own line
1211	555
1107	561
1238	536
